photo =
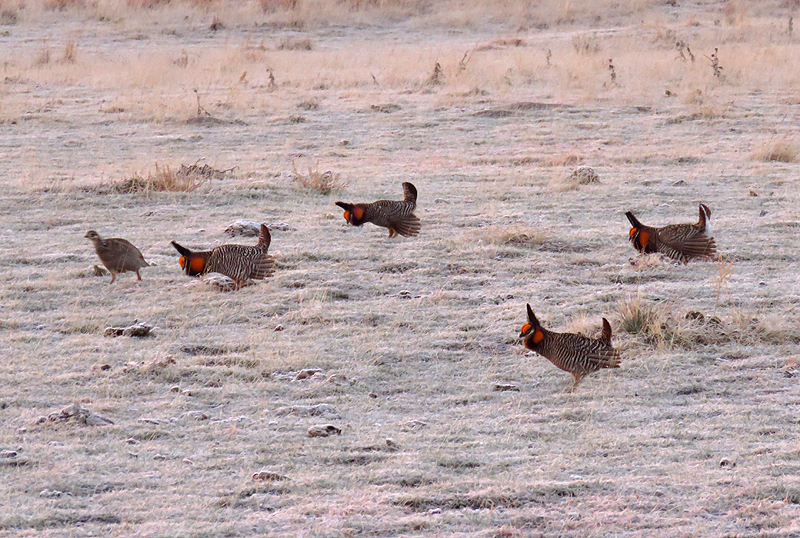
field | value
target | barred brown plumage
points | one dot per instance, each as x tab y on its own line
681	242
117	254
397	216
239	262
573	353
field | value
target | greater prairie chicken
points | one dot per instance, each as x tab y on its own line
118	255
239	262
573	353
681	242
398	216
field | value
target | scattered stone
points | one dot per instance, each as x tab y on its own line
101	367
323	430
195	415
21	431
372	395
245	228
159	457
76	413
269	475
391	443
138	329
727	462
187	461
502	387
50	493
149	368
307	373
413	425
176	388
319	410
339	380
278	328
132	441
8	454
585	175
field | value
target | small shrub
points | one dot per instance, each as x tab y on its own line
163	179
321	182
783	150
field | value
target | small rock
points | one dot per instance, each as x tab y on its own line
372	395
413	424
159	457
187	461
306	373
339	380
323	430
245	228
176	388
195	415
269	475
503	387
138	329
50	493
278	328
391	443
21	431
727	462
132	441
8	454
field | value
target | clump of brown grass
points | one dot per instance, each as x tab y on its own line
655	324
321	182
163	179
293	43
518	236
784	150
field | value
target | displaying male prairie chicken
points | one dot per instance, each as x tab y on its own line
396	215
681	242
118	255
573	353
239	262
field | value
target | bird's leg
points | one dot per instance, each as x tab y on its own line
578	378
113	277
138	276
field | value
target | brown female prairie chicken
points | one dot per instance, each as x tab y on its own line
681	242
239	262
118	255
396	215
573	353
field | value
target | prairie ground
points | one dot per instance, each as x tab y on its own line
409	346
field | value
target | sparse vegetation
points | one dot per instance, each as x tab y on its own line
315	180
444	425
164	179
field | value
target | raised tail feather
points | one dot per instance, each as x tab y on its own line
410	192
634	221
264	238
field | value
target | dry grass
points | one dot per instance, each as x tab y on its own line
164	179
317	181
409	346
783	149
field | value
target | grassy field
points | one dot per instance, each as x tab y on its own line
409	346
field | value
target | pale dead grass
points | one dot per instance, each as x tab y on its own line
413	334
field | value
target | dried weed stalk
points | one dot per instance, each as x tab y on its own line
321	182
725	267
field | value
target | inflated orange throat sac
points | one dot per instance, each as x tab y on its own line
197	264
644	237
538	336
